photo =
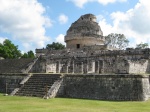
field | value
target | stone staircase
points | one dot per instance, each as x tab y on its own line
38	85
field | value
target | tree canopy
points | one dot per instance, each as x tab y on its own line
29	54
55	46
9	50
116	40
142	45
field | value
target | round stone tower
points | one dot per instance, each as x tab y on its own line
84	32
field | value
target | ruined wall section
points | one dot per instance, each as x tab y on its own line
122	65
8	82
87	60
138	66
148	67
107	87
41	52
39	66
100	87
51	66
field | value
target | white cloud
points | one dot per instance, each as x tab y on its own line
81	3
24	20
134	23
2	39
105	27
63	19
60	39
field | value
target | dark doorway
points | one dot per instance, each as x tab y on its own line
100	66
78	46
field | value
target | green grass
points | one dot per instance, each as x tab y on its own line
32	104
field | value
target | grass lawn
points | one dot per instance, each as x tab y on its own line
32	104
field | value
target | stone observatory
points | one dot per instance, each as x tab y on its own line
87	53
87	68
84	32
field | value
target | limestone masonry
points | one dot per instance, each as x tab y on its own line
86	68
86	53
100	87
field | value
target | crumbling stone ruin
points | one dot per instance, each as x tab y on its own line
86	68
118	87
86	53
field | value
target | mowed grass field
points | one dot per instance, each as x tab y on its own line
32	104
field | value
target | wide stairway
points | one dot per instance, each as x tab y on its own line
38	85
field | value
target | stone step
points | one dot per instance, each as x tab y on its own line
43	78
33	89
32	92
46	76
41	82
36	85
35	95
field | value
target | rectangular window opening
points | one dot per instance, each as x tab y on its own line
78	46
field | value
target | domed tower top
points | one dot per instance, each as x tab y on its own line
84	32
88	17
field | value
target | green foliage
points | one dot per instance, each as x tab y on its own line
32	104
9	50
142	45
25	55
55	46
29	54
116	40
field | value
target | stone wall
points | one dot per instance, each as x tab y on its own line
89	60
138	66
100	87
83	41
10	81
40	52
15	65
122	66
39	66
107	87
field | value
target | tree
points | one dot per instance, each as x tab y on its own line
25	55
9	50
142	45
55	46
29	54
116	40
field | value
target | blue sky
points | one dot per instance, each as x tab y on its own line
32	24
